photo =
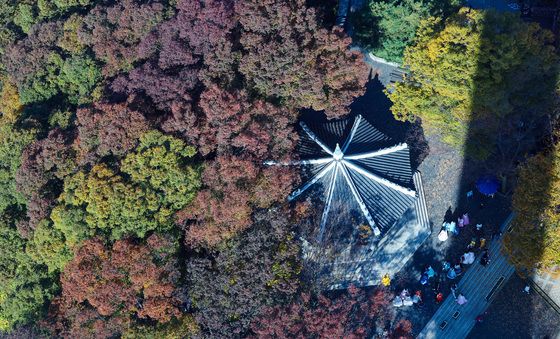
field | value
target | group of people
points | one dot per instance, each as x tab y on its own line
453	270
453	227
449	270
406	299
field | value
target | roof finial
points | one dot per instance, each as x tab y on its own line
337	155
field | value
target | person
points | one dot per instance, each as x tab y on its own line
386	280
407	301
443	236
472	244
485	258
452	227
461	300
430	272
418	297
404	293
482	243
527	289
458	268
466	220
454	290
478	231
424	279
451	274
435	288
467	258
479	318
439	297
397	302
445	266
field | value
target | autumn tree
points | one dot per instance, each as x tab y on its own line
288	57
351	315
193	46
259	267
233	186
234	123
10	104
41	70
108	129
534	241
45	164
114	32
464	79
128	278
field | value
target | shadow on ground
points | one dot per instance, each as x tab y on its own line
510	121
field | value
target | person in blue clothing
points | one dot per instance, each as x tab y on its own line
451	274
430	272
424	279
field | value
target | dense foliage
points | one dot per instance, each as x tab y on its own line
320	317
387	27
465	80
134	202
133	197
25	286
534	241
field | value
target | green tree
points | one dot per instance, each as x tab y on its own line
42	70
48	247
25	17
184	327
160	179
51	8
465	77
12	143
78	77
534	241
387	27
160	162
25	286
8	30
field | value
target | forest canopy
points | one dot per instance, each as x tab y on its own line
133	199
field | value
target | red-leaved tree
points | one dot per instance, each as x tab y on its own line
129	278
351	315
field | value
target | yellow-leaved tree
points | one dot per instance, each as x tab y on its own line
534	241
473	72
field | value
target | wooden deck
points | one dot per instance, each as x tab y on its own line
479	285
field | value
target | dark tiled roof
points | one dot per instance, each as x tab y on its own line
373	180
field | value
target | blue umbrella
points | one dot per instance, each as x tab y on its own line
487	184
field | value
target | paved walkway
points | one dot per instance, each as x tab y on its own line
479	286
500	5
550	286
387	72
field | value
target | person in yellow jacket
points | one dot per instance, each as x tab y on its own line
386	281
